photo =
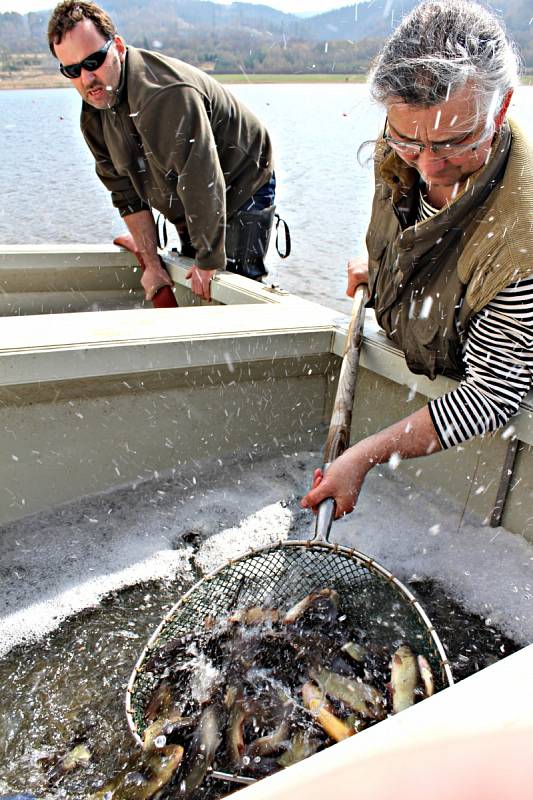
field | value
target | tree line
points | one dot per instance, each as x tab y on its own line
233	49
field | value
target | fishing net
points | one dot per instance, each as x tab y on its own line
279	575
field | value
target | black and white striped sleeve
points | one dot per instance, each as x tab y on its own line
498	358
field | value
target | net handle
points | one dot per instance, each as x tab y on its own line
341	419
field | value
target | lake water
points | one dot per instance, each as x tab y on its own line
49	192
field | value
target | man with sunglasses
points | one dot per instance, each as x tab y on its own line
166	136
450	256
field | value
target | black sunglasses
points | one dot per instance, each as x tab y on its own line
90	64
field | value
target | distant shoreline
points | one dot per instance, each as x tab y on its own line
291	78
32	80
48	81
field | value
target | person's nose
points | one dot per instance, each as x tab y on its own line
86	77
429	163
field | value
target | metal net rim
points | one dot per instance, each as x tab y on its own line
365	561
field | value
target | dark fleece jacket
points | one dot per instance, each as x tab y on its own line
178	141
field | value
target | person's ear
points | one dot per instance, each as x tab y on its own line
500	117
120	45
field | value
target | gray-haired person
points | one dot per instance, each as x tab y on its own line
165	135
450	256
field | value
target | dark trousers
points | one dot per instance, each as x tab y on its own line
247	234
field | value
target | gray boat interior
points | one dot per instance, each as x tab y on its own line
98	390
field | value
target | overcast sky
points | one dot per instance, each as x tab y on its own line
289	6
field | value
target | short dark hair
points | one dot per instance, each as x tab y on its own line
68	14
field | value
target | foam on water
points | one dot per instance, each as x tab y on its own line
34	621
269	525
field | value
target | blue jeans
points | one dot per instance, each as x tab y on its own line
263	198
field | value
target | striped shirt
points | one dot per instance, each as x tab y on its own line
498	359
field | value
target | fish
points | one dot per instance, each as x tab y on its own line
343	666
201	754
160	701
299	747
360	697
143	776
163	763
235	729
266	745
243	711
230	696
268	709
164	726
309	601
356	722
163	655
76	757
260	767
356	651
264	661
257	648
426	675
316	703
256	615
312	645
404	678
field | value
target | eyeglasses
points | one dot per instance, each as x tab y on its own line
439	149
90	64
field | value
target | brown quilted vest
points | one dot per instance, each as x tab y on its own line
428	280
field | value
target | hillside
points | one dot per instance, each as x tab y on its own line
243	37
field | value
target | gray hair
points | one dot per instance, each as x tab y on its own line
441	46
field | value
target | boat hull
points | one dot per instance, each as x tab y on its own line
97	390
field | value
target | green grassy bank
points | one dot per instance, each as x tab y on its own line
36	79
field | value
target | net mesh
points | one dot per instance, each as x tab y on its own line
279	576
